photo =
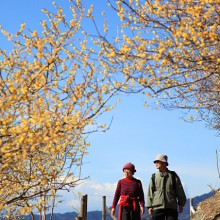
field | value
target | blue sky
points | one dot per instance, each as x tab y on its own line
136	135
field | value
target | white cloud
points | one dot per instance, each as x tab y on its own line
95	192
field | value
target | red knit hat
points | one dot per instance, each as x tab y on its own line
129	166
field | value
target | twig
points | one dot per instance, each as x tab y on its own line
217	163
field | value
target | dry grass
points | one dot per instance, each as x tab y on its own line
209	209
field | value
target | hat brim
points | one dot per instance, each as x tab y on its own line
161	161
129	169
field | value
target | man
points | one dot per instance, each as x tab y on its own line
166	195
130	192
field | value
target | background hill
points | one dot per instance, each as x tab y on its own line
97	215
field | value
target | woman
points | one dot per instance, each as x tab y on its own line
130	192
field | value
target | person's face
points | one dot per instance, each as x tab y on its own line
128	173
160	165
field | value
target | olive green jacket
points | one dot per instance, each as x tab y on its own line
165	196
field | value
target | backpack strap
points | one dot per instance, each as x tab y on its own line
174	175
153	182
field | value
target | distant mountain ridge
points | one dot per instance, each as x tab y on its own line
97	215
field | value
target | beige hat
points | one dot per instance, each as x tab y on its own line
162	158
